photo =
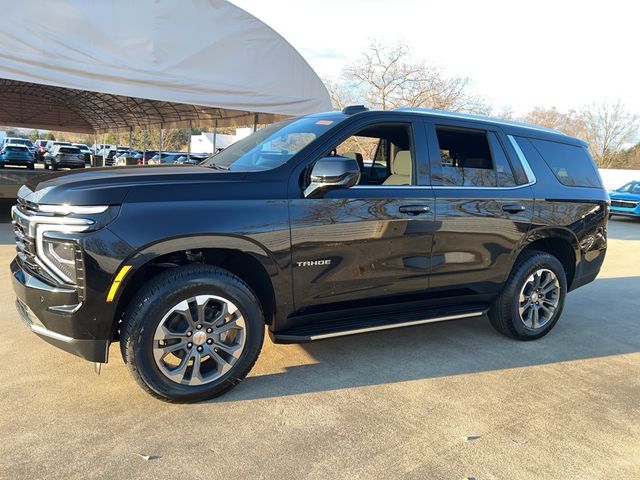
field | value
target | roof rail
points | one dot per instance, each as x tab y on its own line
483	118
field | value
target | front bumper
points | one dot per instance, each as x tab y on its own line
627	212
55	315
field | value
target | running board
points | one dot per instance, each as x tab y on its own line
345	327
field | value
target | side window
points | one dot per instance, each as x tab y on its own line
384	153
571	164
504	174
465	157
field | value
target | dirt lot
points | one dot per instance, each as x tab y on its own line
393	404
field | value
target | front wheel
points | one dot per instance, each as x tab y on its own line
532	299
192	333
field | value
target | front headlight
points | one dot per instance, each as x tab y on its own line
61	257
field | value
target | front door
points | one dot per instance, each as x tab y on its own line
369	244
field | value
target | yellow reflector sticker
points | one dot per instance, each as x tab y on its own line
116	282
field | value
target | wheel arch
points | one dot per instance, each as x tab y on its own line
561	243
240	256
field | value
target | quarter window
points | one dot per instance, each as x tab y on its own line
571	164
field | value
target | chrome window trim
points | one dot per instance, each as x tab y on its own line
440	187
523	160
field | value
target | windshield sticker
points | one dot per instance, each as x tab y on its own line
324	122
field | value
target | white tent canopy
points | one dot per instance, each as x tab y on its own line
97	65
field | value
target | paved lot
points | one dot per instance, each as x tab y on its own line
384	405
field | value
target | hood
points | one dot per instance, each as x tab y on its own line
624	196
109	185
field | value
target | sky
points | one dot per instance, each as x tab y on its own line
518	54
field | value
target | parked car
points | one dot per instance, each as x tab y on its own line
146	156
16	154
287	228
109	154
194	159
626	200
55	143
41	149
96	147
86	151
21	141
166	158
127	156
63	156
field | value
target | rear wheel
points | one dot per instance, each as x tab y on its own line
192	333
54	166
30	166
532	299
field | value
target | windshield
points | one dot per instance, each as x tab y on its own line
631	187
271	146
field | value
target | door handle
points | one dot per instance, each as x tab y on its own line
513	208
414	209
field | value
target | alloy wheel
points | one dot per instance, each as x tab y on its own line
199	340
539	298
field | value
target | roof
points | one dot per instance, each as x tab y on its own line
77	70
479	118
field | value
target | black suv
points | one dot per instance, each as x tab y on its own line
327	225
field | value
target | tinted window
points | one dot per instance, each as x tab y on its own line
15	149
465	158
69	150
572	165
504	173
271	146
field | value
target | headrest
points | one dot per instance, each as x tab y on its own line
402	163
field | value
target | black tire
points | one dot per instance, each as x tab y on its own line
504	312
54	166
2	165
30	166
156	298
46	165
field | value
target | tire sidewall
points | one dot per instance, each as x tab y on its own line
169	295
524	272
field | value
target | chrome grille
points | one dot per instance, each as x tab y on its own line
26	248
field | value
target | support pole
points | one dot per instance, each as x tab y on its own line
215	133
255	122
144	146
189	143
130	142
161	135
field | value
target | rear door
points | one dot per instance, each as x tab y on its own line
369	244
484	206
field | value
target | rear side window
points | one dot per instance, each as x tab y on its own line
473	158
571	164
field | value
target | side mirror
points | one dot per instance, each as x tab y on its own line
330	173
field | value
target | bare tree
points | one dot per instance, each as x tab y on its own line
570	122
609	127
386	77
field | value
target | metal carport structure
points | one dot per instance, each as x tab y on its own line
92	66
